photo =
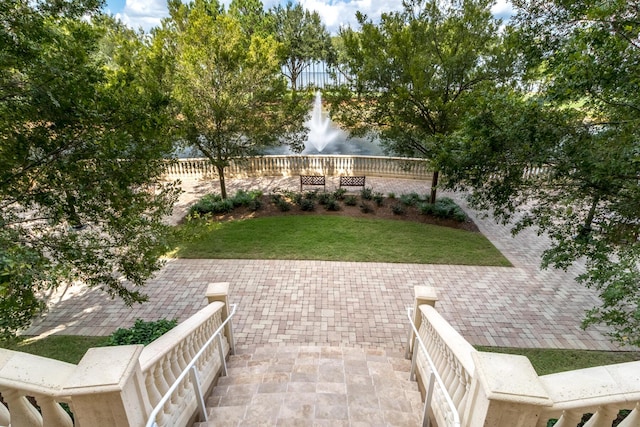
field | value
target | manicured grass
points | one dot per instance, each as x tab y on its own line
68	348
549	361
336	238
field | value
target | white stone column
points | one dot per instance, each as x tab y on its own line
108	389
505	392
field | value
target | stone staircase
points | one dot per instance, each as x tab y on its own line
315	386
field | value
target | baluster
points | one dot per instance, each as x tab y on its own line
633	419
23	413
152	386
159	378
52	413
5	417
603	417
569	419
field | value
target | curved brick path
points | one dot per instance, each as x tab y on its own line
354	304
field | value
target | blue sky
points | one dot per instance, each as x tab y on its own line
334	13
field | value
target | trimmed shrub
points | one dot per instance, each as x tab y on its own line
411	199
339	193
399	209
142	332
307	205
332	205
351	200
325	198
379	199
366	194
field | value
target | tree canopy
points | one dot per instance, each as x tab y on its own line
82	143
563	157
230	96
417	73
303	39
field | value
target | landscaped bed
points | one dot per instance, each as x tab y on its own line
321	226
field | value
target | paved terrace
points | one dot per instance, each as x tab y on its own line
353	304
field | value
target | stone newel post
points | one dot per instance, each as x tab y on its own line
220	292
107	388
505	392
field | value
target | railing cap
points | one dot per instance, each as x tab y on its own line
509	378
33	374
601	385
104	369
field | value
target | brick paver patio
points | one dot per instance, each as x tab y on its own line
354	304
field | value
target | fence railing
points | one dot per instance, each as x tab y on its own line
503	390
196	370
291	165
437	400
120	386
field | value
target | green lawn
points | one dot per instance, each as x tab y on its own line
68	348
336	238
545	361
549	361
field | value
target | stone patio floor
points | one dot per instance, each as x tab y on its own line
353	304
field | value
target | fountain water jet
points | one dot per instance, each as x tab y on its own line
322	131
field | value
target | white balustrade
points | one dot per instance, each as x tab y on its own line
502	390
291	165
163	361
119	386
24	375
602	391
451	355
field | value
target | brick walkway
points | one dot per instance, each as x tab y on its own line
354	304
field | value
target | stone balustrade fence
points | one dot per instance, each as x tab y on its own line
119	386
503	390
292	165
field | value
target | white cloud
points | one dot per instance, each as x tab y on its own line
502	9
143	13
334	13
339	13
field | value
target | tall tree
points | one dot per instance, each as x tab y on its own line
415	74
582	126
303	39
80	145
231	98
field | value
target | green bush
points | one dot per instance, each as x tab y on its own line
339	193
311	195
391	195
281	203
443	208
307	204
141	332
332	205
425	208
411	199
351	200
399	209
379	199
250	199
325	198
366	194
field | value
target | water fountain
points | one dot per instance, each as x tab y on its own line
322	131
325	137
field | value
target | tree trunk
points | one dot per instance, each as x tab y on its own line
434	186
223	187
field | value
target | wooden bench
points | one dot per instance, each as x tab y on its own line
312	180
352	181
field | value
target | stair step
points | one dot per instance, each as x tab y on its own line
312	385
